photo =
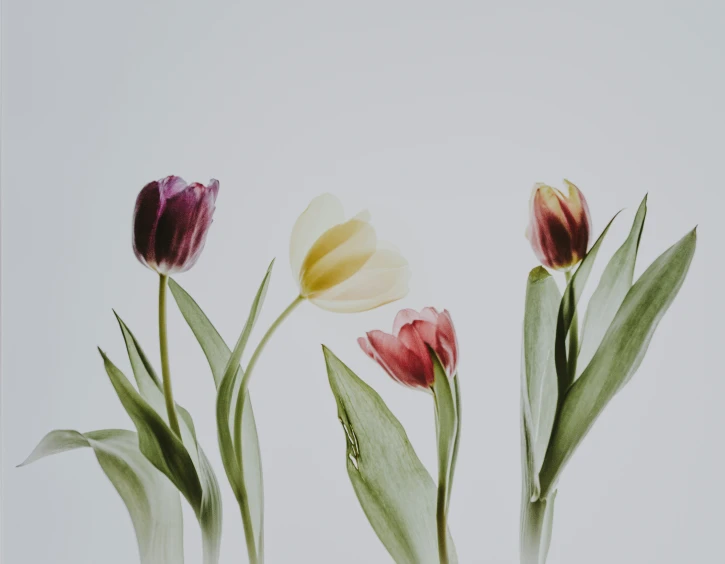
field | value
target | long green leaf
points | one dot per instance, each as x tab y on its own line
613	286
620	354
538	374
209	512
395	491
247	489
218	354
152	501
168	453
567	311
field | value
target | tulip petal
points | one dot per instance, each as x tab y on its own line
145	217
171	186
336	256
402	364
383	279
404	317
324	212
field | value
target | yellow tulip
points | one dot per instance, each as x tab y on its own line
340	265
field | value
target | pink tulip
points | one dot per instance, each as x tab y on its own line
559	226
404	354
170	223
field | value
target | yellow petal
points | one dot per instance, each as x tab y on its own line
336	255
574	199
383	279
323	212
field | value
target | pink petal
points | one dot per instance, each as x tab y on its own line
402	364
404	316
448	342
414	342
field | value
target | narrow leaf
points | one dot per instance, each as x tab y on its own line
446	419
395	491
567	310
248	488
620	354
152	501
218	354
538	374
613	286
209	512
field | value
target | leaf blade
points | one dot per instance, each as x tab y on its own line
395	490
613	286
620	354
152	501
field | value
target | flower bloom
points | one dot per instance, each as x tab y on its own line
170	223
559	226
340	265
404	354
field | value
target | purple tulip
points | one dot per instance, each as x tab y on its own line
170	223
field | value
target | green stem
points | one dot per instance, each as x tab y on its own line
441	505
573	340
532	529
238	410
164	347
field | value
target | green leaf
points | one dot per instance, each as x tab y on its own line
395	491
613	286
567	311
151	500
620	354
538	374
218	354
248	488
446	421
166	451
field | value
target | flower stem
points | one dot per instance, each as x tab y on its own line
573	339
441	519
238	410
164	346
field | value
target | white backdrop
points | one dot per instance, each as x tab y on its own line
436	118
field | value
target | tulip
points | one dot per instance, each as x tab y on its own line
170	223
559	226
405	355
340	265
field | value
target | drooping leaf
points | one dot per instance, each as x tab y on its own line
150	387
166	451
620	354
613	286
151	499
218	354
538	374
395	490
567	311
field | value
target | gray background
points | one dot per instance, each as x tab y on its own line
438	118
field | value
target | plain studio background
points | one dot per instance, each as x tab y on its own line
438	120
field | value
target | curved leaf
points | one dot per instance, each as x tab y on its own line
620	354
151	500
538	374
218	355
613	286
567	311
395	490
209	512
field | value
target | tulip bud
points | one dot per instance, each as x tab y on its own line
170	223
559	226
405	355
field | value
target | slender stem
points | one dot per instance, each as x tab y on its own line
532	524
441	508
573	339
164	346
248	529
238	410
